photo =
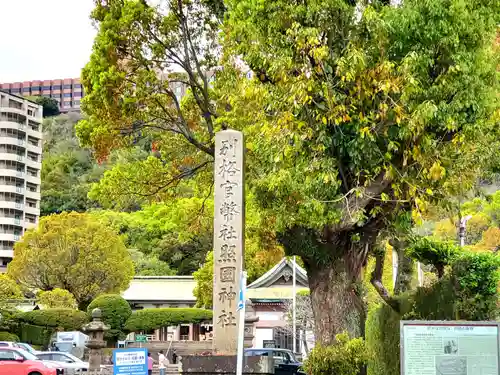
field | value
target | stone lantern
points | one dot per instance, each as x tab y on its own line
95	329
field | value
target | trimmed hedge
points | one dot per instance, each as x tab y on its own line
7	336
468	293
115	313
382	338
149	319
67	319
35	335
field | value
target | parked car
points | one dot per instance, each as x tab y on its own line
65	360
285	362
17	361
9	344
26	347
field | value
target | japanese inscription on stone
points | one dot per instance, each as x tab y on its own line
229	224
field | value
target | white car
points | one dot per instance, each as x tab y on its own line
10	344
65	360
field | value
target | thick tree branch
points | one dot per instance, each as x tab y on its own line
357	201
376	281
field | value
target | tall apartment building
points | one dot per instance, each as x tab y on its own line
68	92
20	167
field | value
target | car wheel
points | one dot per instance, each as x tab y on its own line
34	373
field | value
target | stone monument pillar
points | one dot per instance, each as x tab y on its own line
229	237
95	329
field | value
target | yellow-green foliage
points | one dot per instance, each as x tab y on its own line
57	298
345	357
448	230
9	289
72	251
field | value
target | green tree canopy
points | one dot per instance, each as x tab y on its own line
57	299
75	252
375	111
9	289
50	106
67	169
354	114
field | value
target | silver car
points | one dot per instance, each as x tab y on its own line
65	360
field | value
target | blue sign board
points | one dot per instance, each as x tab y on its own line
131	361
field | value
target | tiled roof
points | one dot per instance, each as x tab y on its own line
161	288
285	266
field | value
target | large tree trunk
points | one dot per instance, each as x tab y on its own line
336	303
334	261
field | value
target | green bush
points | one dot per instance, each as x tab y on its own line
149	319
382	337
35	335
115	313
7	336
434	252
346	357
67	319
475	277
468	293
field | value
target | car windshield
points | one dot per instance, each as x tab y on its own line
27	355
26	347
75	359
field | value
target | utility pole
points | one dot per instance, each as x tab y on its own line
461	229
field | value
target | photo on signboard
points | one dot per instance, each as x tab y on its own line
450	347
455	365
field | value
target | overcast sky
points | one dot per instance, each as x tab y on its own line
44	39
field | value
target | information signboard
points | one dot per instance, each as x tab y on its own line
141	338
269	343
449	348
130	361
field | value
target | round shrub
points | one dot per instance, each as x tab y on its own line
115	312
7	336
149	319
67	319
345	357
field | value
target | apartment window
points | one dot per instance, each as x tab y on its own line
77	85
31	203
67	95
56	95
35	88
31	187
15	104
56	87
45	87
33	141
32	156
32	172
77	94
76	103
15	91
67	103
67	86
26	89
46	95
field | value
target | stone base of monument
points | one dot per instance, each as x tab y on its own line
225	364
